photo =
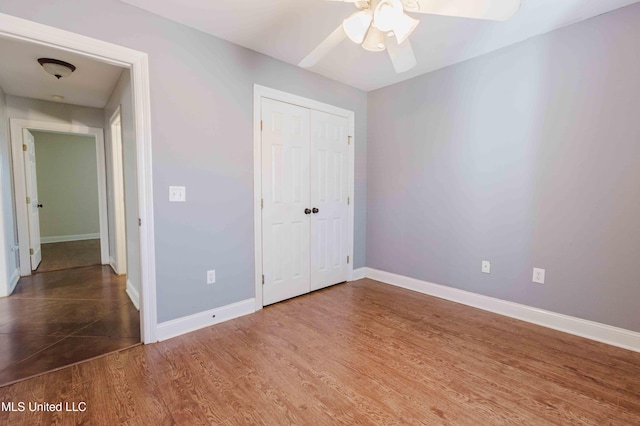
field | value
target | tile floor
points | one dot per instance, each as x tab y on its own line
70	254
58	318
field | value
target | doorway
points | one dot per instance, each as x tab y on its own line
64	228
303	168
137	62
25	185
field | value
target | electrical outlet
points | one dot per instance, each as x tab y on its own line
211	276
486	267
538	275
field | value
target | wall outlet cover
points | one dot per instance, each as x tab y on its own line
211	276
538	275
486	267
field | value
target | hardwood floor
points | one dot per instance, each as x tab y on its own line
69	254
357	353
57	318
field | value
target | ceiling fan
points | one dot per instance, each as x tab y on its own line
380	25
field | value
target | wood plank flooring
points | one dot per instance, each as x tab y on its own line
357	353
69	254
57	318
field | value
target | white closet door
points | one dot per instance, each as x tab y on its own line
329	192
285	193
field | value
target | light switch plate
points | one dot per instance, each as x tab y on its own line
486	267
177	194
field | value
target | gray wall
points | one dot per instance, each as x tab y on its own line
8	258
67	175
35	109
201	111
122	96
528	156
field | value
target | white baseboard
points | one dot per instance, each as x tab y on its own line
133	295
589	329
65	238
176	327
358	274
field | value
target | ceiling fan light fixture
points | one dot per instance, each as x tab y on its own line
386	14
404	26
374	42
356	25
57	67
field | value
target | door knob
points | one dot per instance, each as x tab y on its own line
39	206
315	210
307	211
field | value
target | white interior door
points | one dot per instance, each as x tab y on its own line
285	196
329	198
29	151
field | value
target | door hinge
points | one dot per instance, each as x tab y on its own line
260	125
262	203
349	140
28	200
31	252
24	147
347	259
348	200
263	280
139	222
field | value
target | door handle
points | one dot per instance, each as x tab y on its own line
39	206
315	210
307	211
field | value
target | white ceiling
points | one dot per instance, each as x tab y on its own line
90	84
289	29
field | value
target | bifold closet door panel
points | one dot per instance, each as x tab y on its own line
285	193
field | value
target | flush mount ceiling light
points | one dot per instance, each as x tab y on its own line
380	25
56	67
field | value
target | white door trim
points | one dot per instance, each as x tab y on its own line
19	181
260	92
138	62
119	264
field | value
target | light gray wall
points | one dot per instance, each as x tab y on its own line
8	258
67	175
36	109
201	112
527	157
122	96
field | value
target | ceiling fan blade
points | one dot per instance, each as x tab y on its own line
494	10
402	56
334	39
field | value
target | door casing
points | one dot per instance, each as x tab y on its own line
137	62
19	181
260	92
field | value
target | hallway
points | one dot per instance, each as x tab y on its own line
58	318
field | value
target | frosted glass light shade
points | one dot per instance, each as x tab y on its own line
374	42
56	67
356	25
386	14
404	26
